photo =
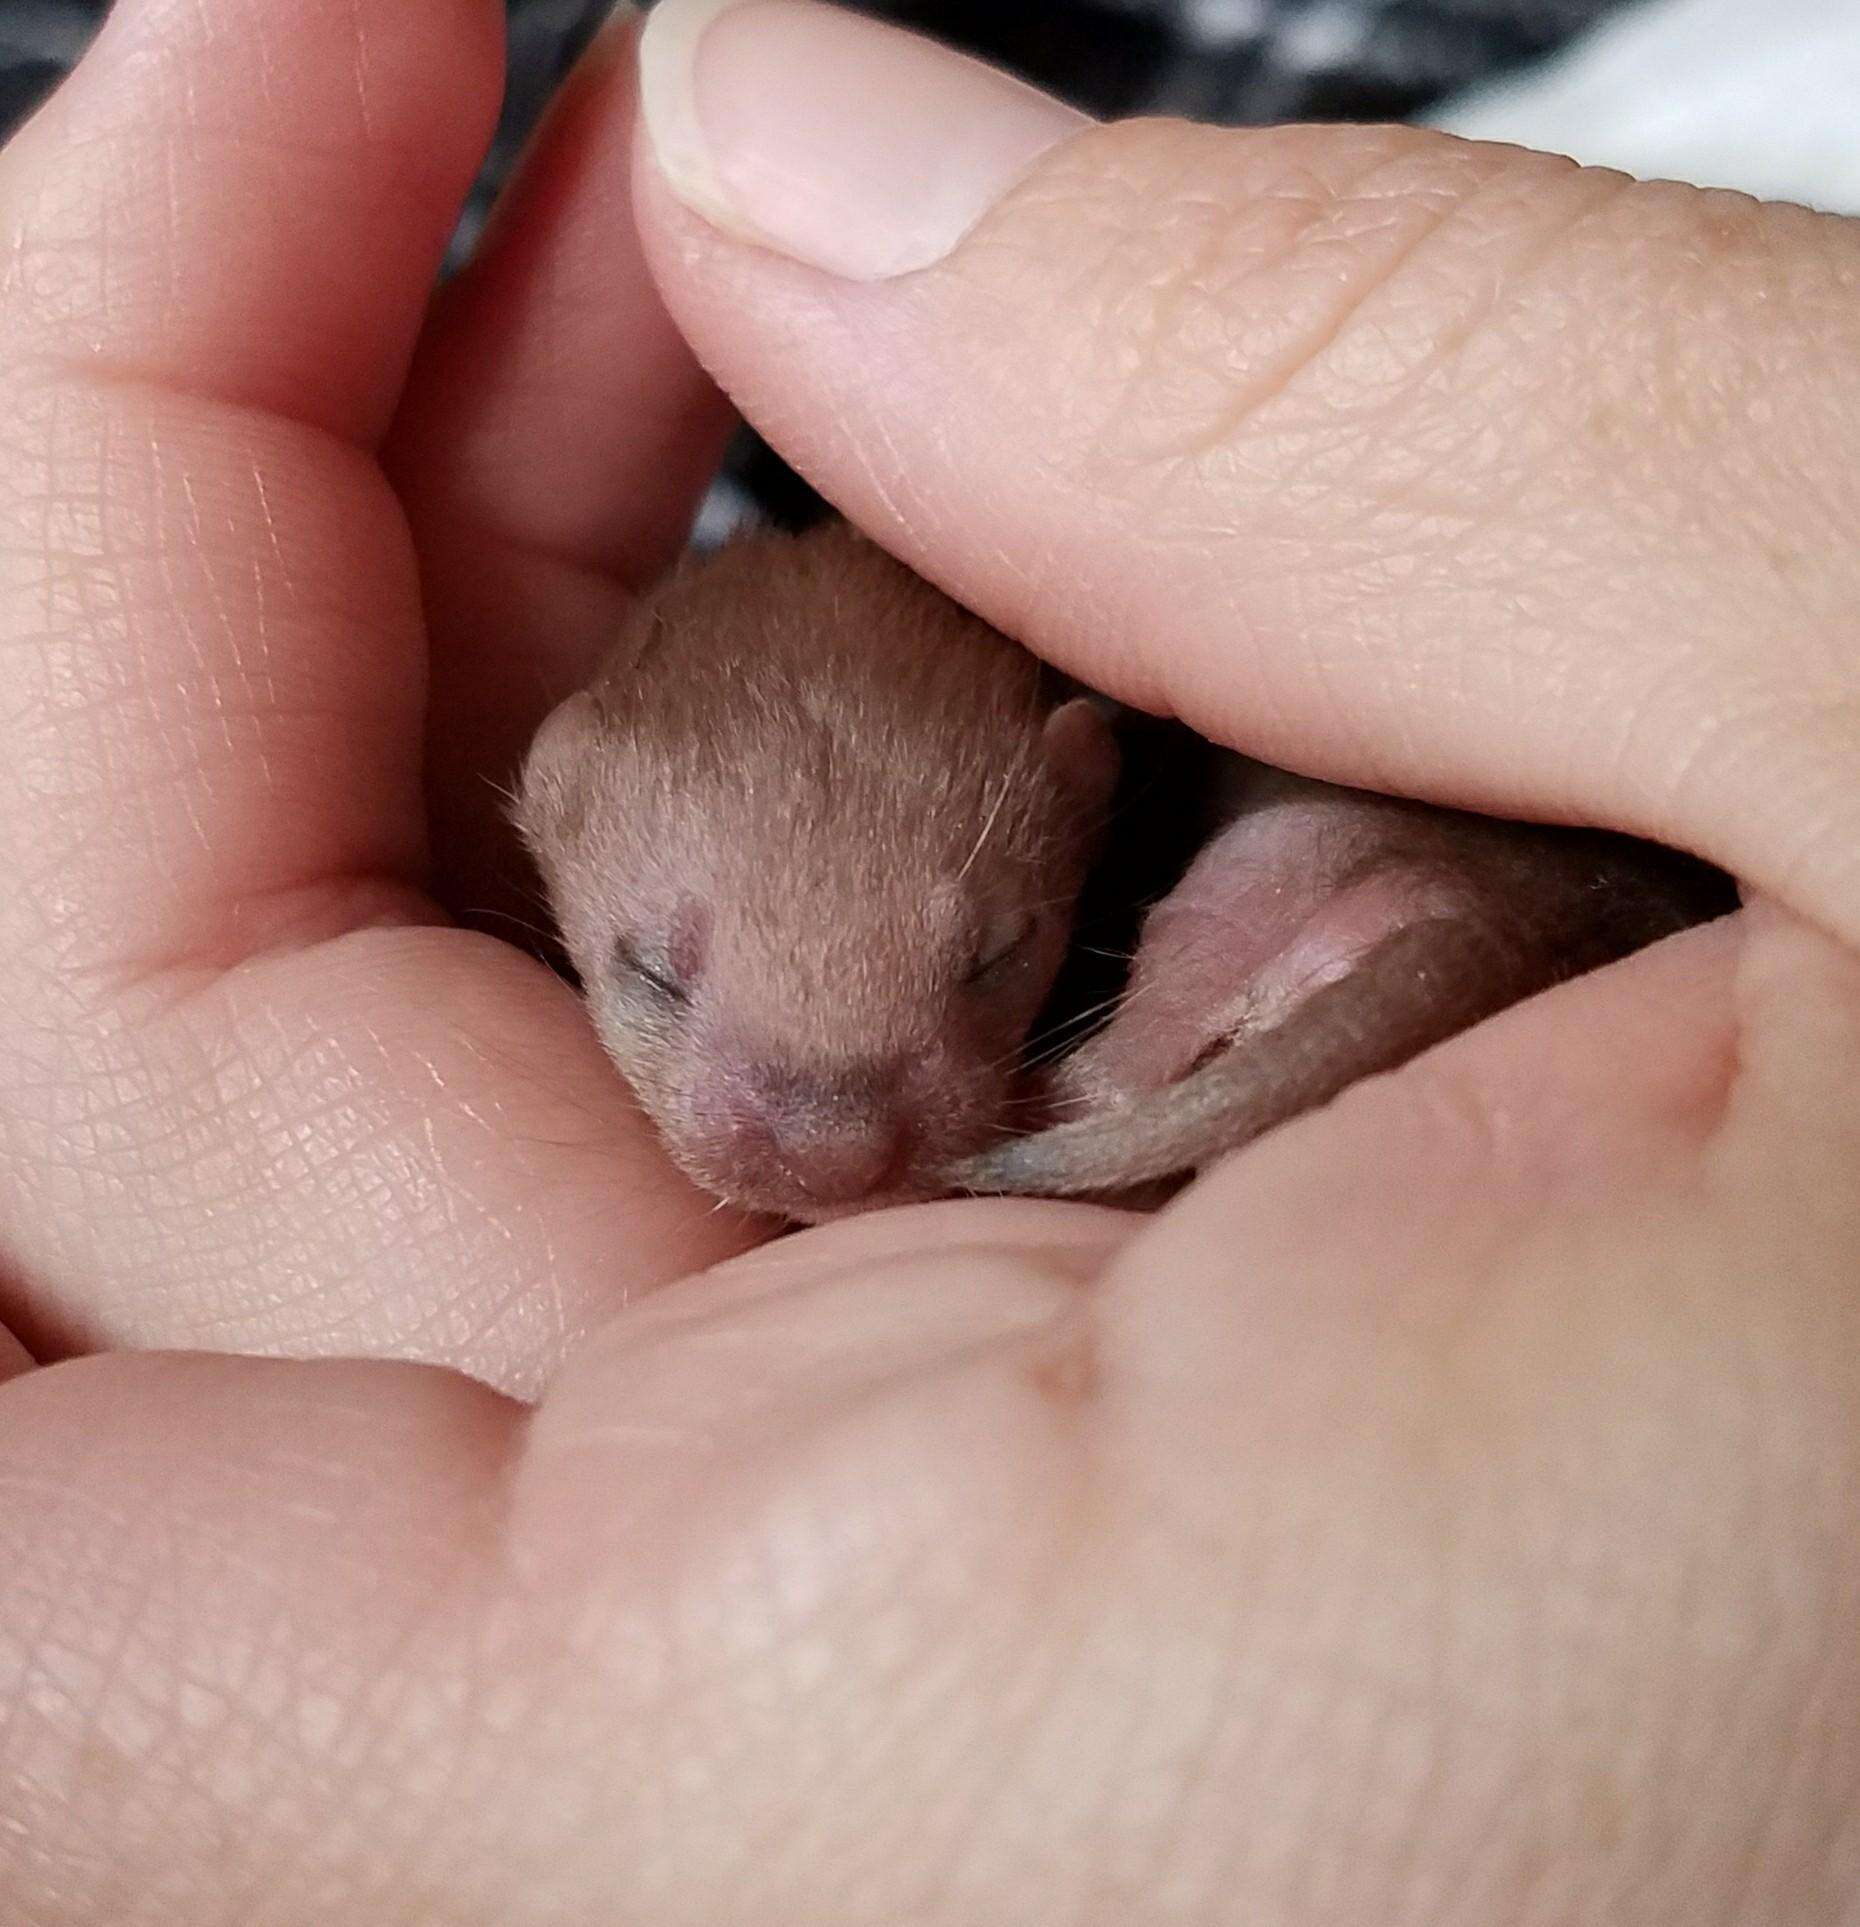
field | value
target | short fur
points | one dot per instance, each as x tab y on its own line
807	798
818	794
1474	916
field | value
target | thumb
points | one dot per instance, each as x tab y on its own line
1409	462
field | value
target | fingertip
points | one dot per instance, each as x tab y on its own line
838	140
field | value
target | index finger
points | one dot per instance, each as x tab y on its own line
216	1127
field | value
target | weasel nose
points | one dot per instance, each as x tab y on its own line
843	1165
836	1138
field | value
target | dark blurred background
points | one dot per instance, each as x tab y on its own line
1232	60
1242	61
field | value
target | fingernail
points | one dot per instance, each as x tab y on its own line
845	143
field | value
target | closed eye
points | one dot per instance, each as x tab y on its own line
661	985
995	960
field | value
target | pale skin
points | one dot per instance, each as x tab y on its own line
1448	1512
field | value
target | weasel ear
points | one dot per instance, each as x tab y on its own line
551	793
1082	753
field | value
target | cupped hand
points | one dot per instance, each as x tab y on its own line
1445	1512
255	1093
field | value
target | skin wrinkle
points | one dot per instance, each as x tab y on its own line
1025	1660
220	1775
1524	266
373	1725
104	318
1058	1617
1108	1817
1380	1770
1313	1700
1239	404
1696	406
1190	281
194	1137
762	1855
389	1671
256	657
290	719
218	707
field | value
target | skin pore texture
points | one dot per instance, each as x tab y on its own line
814	836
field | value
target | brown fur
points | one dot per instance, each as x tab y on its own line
1432	920
818	808
808	794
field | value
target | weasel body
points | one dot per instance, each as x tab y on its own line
1320	936
815	834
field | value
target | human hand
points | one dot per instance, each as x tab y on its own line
1445	1511
255	1095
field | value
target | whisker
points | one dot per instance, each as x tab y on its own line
1064	1037
1054	1044
1080	1020
507	916
994	816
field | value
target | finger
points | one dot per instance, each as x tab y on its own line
326	1628
261	1650
220	239
1600	1089
552	407
1404	461
836	1317
1545	1495
248	199
241	1106
554	439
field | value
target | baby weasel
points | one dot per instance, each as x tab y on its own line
814	836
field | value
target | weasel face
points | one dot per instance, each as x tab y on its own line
813	837
809	1059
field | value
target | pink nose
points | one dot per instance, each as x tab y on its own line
824	1138
841	1165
